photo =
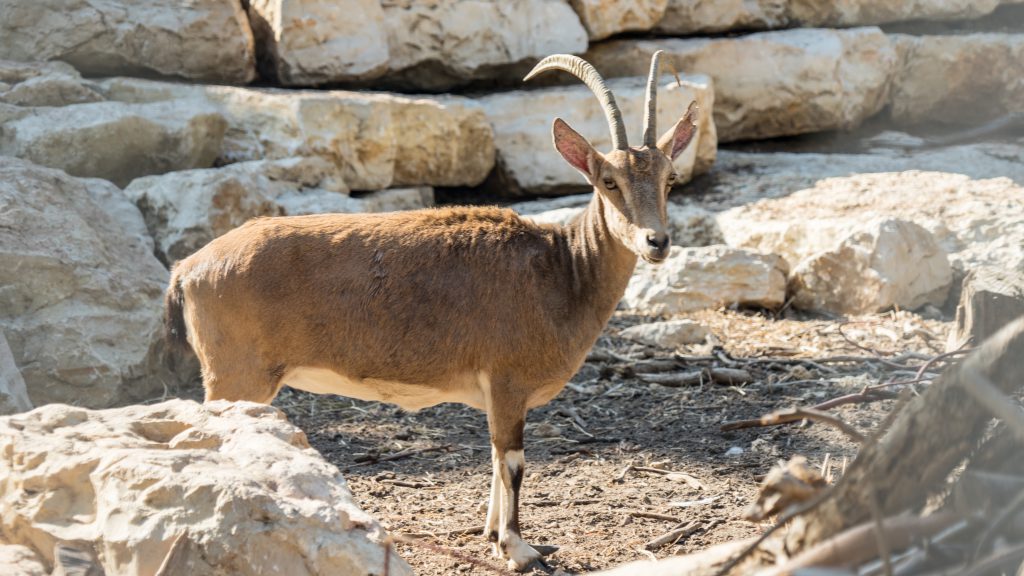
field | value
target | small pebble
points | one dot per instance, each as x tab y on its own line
734	452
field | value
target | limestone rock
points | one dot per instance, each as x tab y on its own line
185	210
976	222
683	17
377	140
13	392
205	40
312	42
117	141
439	44
21	561
522	129
236	482
877	266
711	277
83	295
604	18
687	17
774	83
746	177
667	334
43	84
688	224
861	12
964	79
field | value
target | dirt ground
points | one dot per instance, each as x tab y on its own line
427	474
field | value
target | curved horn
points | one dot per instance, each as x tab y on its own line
579	68
651	111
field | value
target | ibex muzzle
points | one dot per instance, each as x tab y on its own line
470	305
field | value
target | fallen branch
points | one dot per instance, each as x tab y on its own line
928	438
857	545
672	535
795	415
681	379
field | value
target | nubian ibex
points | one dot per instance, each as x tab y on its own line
471	305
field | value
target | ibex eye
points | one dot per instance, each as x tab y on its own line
609	184
672	177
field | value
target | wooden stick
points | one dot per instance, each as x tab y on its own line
793	415
857	545
672	535
653	515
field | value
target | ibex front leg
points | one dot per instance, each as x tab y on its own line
506	416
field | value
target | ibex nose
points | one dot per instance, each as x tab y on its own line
657	240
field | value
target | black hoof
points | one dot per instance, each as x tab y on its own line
546	550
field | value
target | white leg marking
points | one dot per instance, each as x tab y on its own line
494	507
519	554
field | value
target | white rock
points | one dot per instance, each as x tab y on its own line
43	84
117	141
239	481
860	12
522	128
774	83
745	177
13	392
689	17
667	334
977	222
876	266
438	44
21	561
710	277
964	79
311	42
83	295
205	40
604	18
377	140
185	210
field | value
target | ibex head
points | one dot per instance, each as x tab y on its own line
635	181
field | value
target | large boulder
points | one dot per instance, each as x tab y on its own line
685	17
117	141
877	266
439	44
232	487
185	210
604	18
13	392
710	277
861	12
522	129
378	140
43	84
205	40
976	222
958	79
21	561
774	83
312	42
740	178
81	303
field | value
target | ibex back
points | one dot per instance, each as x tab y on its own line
471	305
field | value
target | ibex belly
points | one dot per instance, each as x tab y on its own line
463	388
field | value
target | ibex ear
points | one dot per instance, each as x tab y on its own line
673	142
575	149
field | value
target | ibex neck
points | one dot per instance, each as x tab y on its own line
601	265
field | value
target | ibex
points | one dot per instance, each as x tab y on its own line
471	305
